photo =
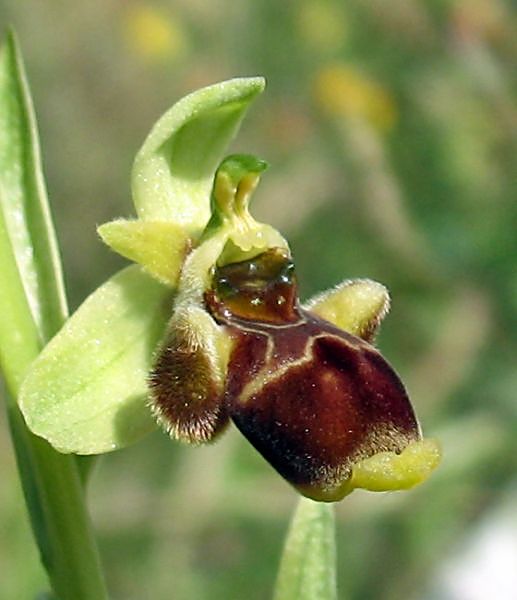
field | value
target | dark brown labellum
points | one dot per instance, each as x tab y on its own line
311	398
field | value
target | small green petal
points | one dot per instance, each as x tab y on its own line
173	171
357	306
160	247
86	392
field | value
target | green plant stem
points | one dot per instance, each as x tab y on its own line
32	309
54	495
51	482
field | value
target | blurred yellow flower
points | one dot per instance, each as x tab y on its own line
343	91
321	25
153	34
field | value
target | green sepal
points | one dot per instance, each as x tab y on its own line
86	392
356	306
160	247
172	173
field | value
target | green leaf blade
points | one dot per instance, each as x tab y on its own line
19	336
308	566
173	171
24	199
32	309
86	392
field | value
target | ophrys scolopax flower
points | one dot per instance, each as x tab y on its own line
302	382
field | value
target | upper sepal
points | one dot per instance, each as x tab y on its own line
172	173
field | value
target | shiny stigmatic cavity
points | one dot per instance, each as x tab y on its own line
312	399
262	289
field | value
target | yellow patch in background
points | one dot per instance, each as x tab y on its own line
344	91
154	34
322	25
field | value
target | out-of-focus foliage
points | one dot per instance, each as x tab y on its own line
391	128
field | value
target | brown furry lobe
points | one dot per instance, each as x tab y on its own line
186	394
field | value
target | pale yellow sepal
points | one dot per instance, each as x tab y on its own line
158	246
387	471
357	306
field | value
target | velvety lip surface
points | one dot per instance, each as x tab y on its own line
311	398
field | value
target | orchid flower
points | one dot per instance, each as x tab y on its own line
208	328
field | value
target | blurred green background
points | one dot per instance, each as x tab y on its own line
391	128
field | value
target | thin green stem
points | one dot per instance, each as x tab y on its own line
51	482
32	308
54	495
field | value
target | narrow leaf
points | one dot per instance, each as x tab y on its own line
19	336
86	392
308	565
32	308
173	171
24	201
